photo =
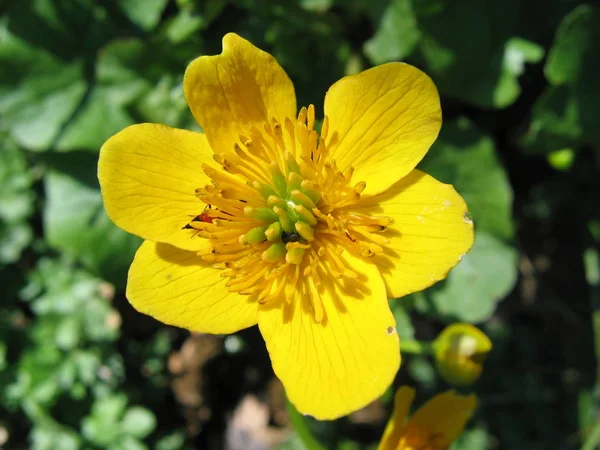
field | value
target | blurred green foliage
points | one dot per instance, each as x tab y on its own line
519	82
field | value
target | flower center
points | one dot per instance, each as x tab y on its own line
280	209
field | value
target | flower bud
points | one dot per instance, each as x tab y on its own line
460	350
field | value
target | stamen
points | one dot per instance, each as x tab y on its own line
281	209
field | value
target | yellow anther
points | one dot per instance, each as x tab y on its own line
306	215
303	199
274	231
360	186
305	230
273	200
311	117
285	221
294	255
325	127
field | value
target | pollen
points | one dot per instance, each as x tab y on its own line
280	209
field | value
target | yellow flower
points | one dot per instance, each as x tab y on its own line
434	426
261	219
460	350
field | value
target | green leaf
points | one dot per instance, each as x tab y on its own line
571	45
75	221
102	425
42	105
138	422
98	119
520	51
471	53
129	443
397	33
555	122
466	158
16	202
316	5
404	325
68	333
144	13
472	439
567	115
183	25
174	441
473	288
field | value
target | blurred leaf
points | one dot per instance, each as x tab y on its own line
16	202
174	441
566	116
101	426
471	54
51	436
36	112
397	33
129	443
68	333
293	443
404	325
571	45
473	288
472	439
183	25
138	422
75	221
56	26
98	119
466	158
316	5
422	370
517	52
144	13
554	122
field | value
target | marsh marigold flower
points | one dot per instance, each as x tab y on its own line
460	350
434	426
263	220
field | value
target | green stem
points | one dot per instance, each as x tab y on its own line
416	347
301	428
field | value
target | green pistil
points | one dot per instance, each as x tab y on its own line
264	214
289	216
256	235
294	181
275	252
273	232
278	180
264	189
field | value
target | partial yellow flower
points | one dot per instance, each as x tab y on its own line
460	350
262	219
434	426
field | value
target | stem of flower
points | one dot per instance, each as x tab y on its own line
416	347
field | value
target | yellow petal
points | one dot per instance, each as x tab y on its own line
396	425
148	174
431	232
444	416
178	288
236	90
339	365
382	122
